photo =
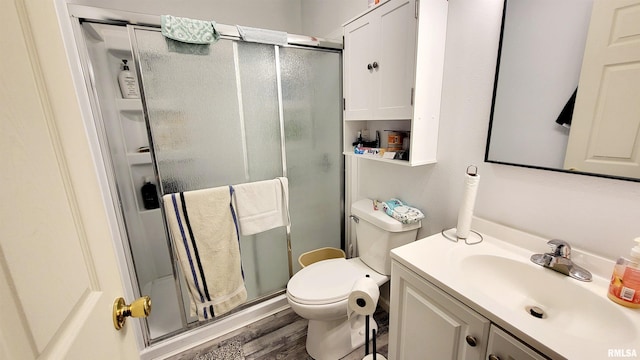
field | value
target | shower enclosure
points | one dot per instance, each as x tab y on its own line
228	113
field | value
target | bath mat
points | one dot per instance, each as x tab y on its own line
229	351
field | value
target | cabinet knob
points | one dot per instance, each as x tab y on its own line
369	66
375	64
493	357
471	340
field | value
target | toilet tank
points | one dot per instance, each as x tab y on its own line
377	233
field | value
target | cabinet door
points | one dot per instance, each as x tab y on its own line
503	346
359	39
426	323
396	60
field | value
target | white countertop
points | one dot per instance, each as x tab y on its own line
600	327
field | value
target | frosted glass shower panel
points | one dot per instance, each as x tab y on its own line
312	98
213	115
260	115
264	254
193	108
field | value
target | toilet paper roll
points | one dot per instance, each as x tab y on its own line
465	214
364	295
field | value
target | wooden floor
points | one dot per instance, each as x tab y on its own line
279	336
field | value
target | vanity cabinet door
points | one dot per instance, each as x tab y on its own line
503	346
426	323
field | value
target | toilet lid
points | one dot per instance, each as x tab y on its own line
324	282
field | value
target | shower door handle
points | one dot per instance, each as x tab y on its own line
139	308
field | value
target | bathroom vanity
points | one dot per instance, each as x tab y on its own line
450	300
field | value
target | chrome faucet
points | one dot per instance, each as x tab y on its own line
560	260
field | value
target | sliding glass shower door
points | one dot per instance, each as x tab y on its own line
312	98
236	112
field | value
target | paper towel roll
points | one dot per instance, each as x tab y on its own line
466	207
364	295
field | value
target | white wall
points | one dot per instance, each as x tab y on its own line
324	18
595	214
282	15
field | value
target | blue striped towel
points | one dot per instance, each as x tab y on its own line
204	230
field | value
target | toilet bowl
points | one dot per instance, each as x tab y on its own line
320	291
320	294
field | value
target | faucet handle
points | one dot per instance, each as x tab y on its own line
560	248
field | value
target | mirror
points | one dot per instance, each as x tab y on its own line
540	61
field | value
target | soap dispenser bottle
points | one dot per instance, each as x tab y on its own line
624	288
128	83
149	195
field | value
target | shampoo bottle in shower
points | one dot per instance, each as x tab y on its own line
624	288
128	83
149	195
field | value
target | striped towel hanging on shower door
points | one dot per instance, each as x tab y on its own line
204	230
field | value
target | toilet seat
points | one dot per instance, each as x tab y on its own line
328	281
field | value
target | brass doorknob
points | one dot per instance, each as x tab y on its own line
139	308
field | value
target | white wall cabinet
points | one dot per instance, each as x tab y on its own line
427	323
393	62
379	60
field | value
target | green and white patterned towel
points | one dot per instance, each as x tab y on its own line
189	31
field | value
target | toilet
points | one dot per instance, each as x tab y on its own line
320	291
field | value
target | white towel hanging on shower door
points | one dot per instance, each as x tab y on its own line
262	205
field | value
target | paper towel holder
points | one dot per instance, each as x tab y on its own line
471	170
455	238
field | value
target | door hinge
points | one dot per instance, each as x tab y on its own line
412	95
344	104
417	9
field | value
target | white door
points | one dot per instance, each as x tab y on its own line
605	131
58	271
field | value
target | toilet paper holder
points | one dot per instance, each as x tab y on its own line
373	355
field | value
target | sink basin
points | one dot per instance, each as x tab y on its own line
568	306
559	316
